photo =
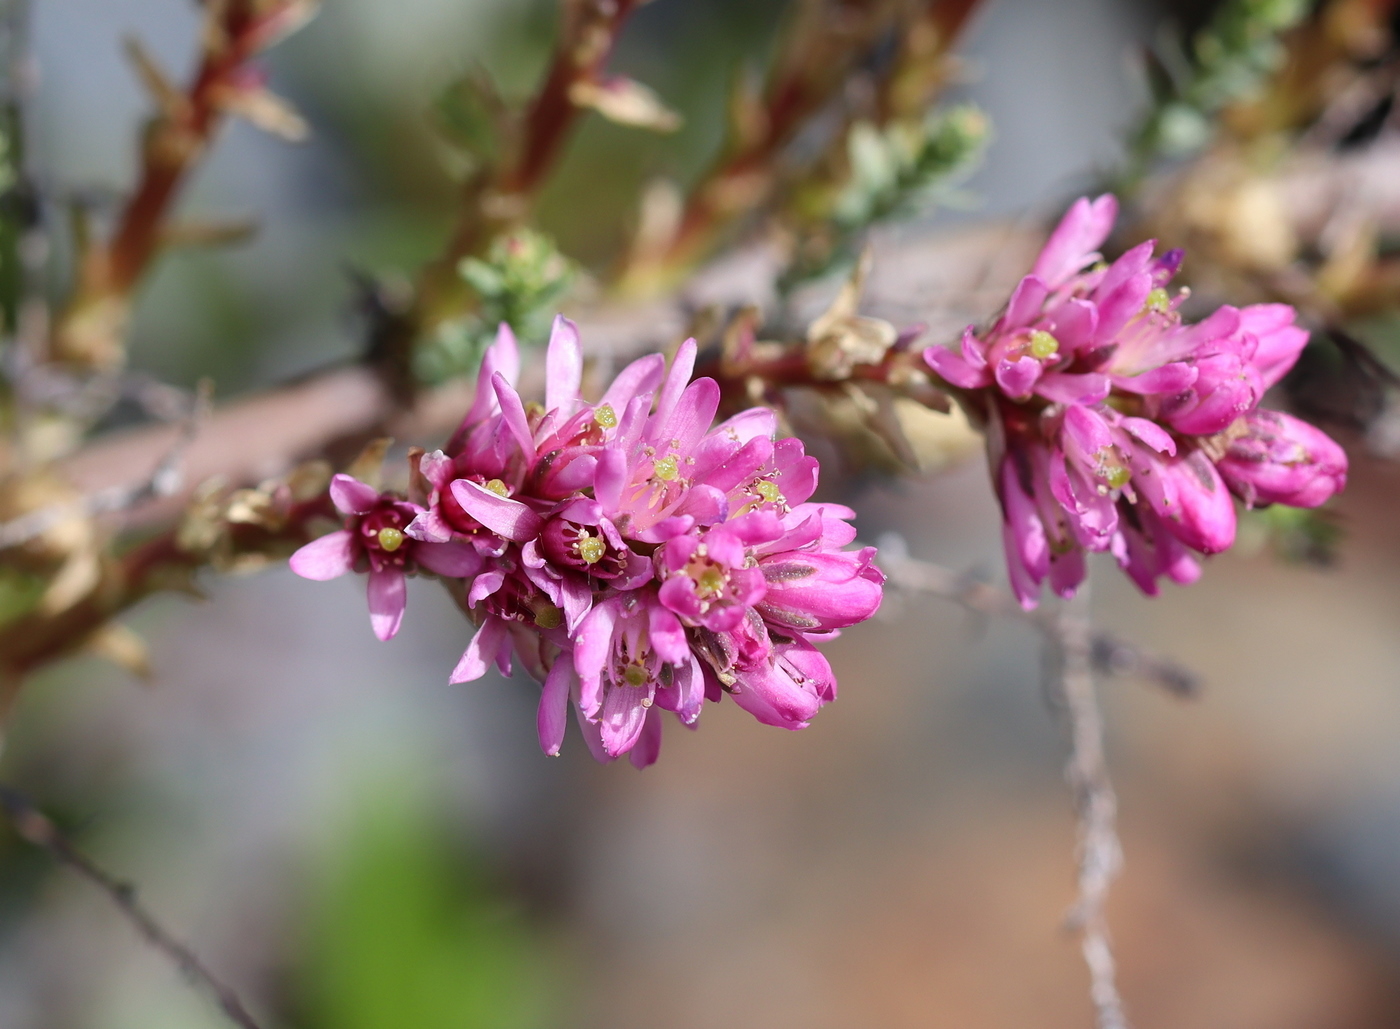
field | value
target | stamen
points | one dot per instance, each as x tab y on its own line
590	548
1043	344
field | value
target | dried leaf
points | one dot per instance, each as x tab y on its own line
207	234
369	466
123	647
264	109
169	100
626	102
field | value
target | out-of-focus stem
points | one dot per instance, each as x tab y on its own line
90	332
814	66
504	195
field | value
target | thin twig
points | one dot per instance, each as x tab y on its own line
1100	853
164	481
1082	650
1109	654
36	828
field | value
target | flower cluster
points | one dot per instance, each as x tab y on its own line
1113	425
633	558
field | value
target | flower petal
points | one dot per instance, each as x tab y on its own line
553	713
351	496
563	367
326	558
502	515
388	595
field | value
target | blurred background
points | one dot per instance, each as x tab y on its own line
356	845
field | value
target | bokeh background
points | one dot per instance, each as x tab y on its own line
356	845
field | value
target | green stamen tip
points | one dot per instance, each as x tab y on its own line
498	487
711	581
390	539
666	469
590	549
605	416
768	491
1118	476
1158	300
1043	344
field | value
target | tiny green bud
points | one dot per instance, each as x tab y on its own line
605	416
547	616
498	487
666	469
390	539
1158	300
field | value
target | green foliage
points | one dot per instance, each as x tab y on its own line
407	936
520	282
19	593
1294	534
895	172
1228	60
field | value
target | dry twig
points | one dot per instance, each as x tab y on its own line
165	480
1100	853
35	827
1108	653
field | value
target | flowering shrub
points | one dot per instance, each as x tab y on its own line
1113	425
632	558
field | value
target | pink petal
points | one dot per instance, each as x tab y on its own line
481	651
450	560
553	712
681	369
1017	378
351	496
503	357
641	376
1170	378
388	595
592	650
513	411
1067	388
1026	302
563	367
953	369
326	558
622	717
648	746
1150	433
1073	243
503	516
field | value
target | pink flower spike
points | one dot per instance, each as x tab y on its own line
326	558
388	593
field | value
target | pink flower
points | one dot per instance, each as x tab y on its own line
1113	425
374	538
633	558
